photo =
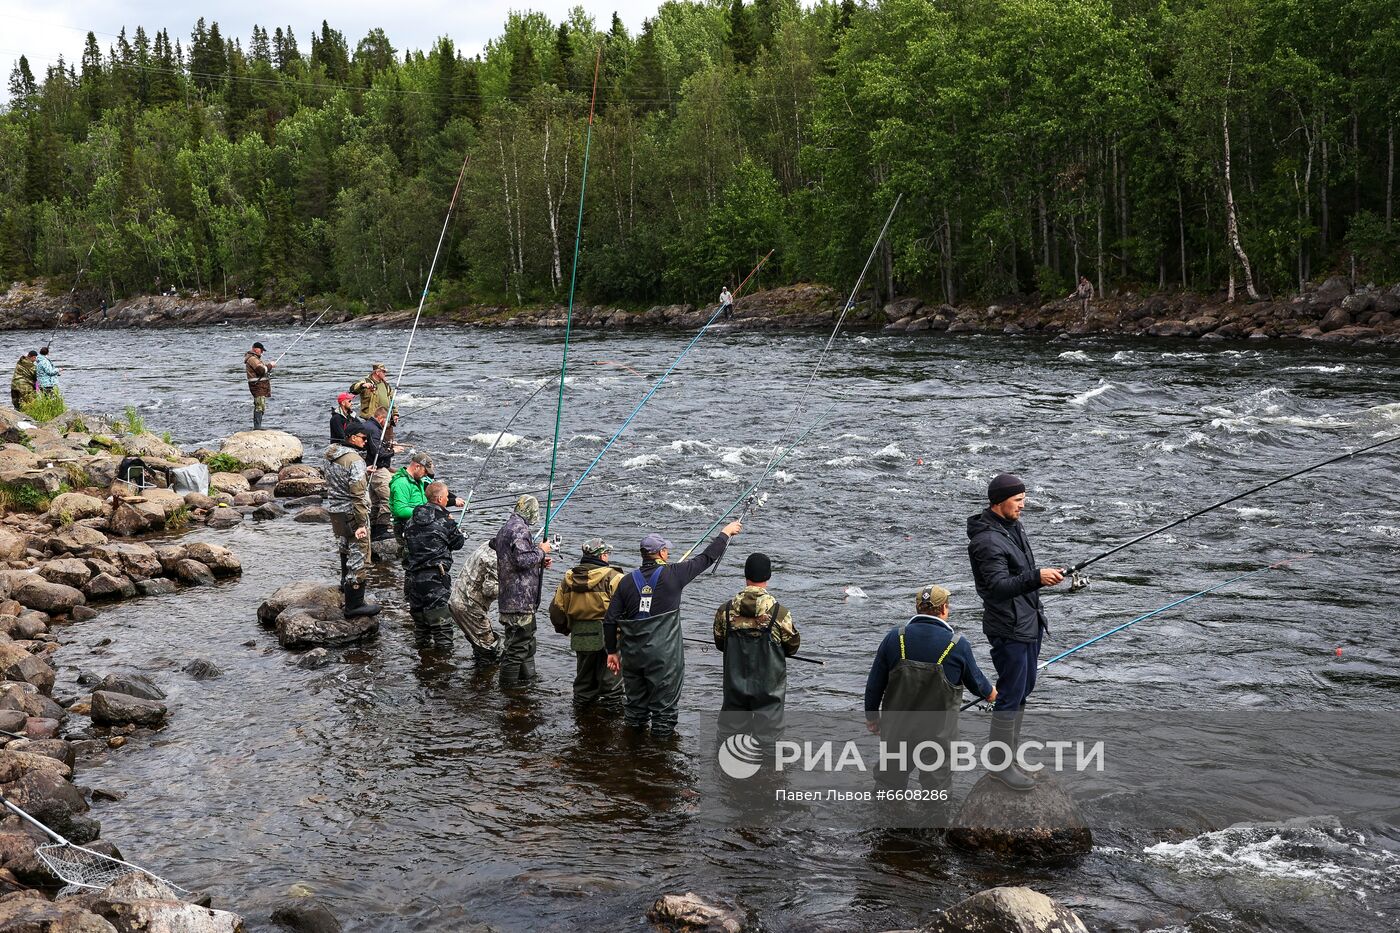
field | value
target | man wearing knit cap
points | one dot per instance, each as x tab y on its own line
914	690
756	635
520	566
1003	567
642	631
580	602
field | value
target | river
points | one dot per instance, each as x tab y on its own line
413	797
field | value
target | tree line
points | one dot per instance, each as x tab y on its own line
1147	144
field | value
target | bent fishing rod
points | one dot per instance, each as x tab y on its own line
1074	570
1148	615
660	380
497	443
301	335
792	657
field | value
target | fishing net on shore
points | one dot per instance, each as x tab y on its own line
80	868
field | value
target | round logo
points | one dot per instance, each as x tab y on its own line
740	756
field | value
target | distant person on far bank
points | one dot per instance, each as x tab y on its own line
1084	292
726	303
46	375
259	382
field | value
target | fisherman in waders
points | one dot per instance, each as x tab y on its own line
520	567
473	593
379	455
914	691
580	602
342	416
409	489
259	382
430	537
756	635
347	492
22	383
642	631
1003	567
726	303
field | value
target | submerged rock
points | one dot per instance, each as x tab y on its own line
313	659
690	911
137	903
120	709
1041	824
306	916
203	669
300	595
1007	910
302	628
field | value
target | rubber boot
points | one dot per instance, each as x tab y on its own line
1004	730
356	603
1016	739
257	420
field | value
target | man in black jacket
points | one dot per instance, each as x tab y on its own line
431	536
642	631
1003	567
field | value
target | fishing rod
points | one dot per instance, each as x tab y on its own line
301	335
792	657
1080	583
573	282
650	392
422	300
58	318
1155	612
497	443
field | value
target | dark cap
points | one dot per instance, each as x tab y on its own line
357	428
259	346
758	568
655	544
1003	486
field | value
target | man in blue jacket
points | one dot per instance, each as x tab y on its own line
1003	567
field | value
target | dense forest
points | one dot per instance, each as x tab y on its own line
1205	144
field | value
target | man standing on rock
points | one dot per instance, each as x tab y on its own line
473	593
642	631
1084	293
347	491
259	382
374	391
520	566
431	536
22	383
46	374
580	602
1008	581
726	303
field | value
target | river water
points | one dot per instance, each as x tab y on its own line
414	797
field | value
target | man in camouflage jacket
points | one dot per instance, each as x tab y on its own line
347	491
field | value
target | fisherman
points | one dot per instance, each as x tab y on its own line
756	635
726	303
379	455
520	566
408	490
580	602
22	383
347	490
431	536
642	631
342	415
259	382
46	375
1003	567
374	391
473	592
915	686
1084	293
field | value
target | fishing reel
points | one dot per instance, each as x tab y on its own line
555	540
1077	581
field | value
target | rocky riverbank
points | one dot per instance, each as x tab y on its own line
1332	311
76	538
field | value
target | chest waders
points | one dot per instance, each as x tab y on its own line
920	706
653	660
755	678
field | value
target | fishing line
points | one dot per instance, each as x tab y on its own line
77	279
792	657
573	281
301	335
442	237
497	442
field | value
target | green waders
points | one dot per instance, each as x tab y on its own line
653	665
920	706
755	680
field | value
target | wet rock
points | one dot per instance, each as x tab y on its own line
26	697
299	479
269	510
198	500
134	685
304	502
268	450
22	913
16	664
302	628
202	669
77	539
306	916
314	659
112	586
70	506
53	598
313	515
15	764
902	308
194	573
233	484
257	497
120	709
169	555
137	903
1335	319
82	614
41	728
690	911
1351	333
67	570
136	516
224	518
1007	910
1171	329
55	802
268	482
1039	825
300	595
220	560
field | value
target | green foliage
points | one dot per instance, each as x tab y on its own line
45	406
132	422
20	497
223	463
1376	246
178	519
165	436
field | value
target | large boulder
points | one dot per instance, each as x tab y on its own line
76	539
300	595
149	445
138	561
136	516
219	559
224	518
299	479
25	697
71	506
67	570
53	598
133	685
55	802
1335	319
267	450
45	483
138	903
305	628
1039	825
19	665
12	544
31	912
1331	292
231	484
16	764
1007	910
194	573
313	515
111	586
120	709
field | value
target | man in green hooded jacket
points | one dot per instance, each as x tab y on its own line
408	490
